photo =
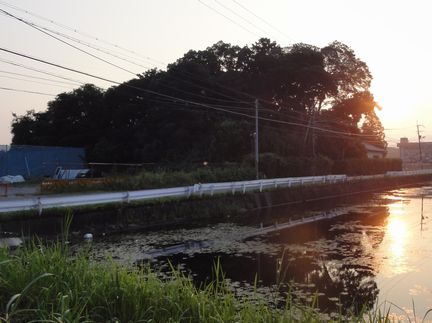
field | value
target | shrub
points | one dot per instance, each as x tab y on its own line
157	179
365	166
272	166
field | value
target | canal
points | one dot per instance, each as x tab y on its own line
373	250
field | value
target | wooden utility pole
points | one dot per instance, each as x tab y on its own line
256	140
419	141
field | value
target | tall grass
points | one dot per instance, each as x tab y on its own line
157	179
45	283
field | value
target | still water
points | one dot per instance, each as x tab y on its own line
376	251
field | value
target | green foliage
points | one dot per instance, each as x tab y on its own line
181	178
303	84
273	166
366	166
47	284
157	179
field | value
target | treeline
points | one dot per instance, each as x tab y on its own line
314	103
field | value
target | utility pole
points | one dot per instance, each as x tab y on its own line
256	140
419	141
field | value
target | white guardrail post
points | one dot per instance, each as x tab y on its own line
45	202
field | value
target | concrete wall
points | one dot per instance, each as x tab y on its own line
410	153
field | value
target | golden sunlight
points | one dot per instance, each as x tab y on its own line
394	247
397	103
396	228
396	209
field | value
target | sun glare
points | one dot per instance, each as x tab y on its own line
395	244
396	228
394	109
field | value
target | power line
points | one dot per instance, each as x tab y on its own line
48	31
93	47
188	107
26	91
263	20
208	106
38	78
72	29
37	82
41	71
39	28
178	99
228	18
241	17
76	40
65	42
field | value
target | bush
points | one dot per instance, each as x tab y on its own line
157	179
365	166
273	166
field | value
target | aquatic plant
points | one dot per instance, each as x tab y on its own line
46	283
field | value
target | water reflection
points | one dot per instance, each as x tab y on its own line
396	228
333	260
379	248
398	235
404	273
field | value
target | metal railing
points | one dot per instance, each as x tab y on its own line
59	201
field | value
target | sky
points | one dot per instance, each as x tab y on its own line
392	37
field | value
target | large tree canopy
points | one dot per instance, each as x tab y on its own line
202	108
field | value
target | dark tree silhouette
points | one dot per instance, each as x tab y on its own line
309	88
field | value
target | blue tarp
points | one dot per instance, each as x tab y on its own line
39	161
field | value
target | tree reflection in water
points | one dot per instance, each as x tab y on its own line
333	260
336	259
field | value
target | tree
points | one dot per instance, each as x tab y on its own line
355	115
202	106
373	130
72	119
350	74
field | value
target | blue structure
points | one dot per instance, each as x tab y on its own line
39	161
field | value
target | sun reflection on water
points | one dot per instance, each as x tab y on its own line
397	233
396	228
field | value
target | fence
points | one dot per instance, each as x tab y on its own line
37	161
46	202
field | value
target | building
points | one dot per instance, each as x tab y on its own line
38	161
413	152
393	152
374	151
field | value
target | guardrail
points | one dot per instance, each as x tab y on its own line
410	172
45	202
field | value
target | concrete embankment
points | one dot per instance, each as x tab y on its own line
157	213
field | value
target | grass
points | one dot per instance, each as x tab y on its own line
45	283
158	179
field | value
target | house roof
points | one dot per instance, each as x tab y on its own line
373	148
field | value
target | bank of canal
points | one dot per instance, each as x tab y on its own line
377	247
